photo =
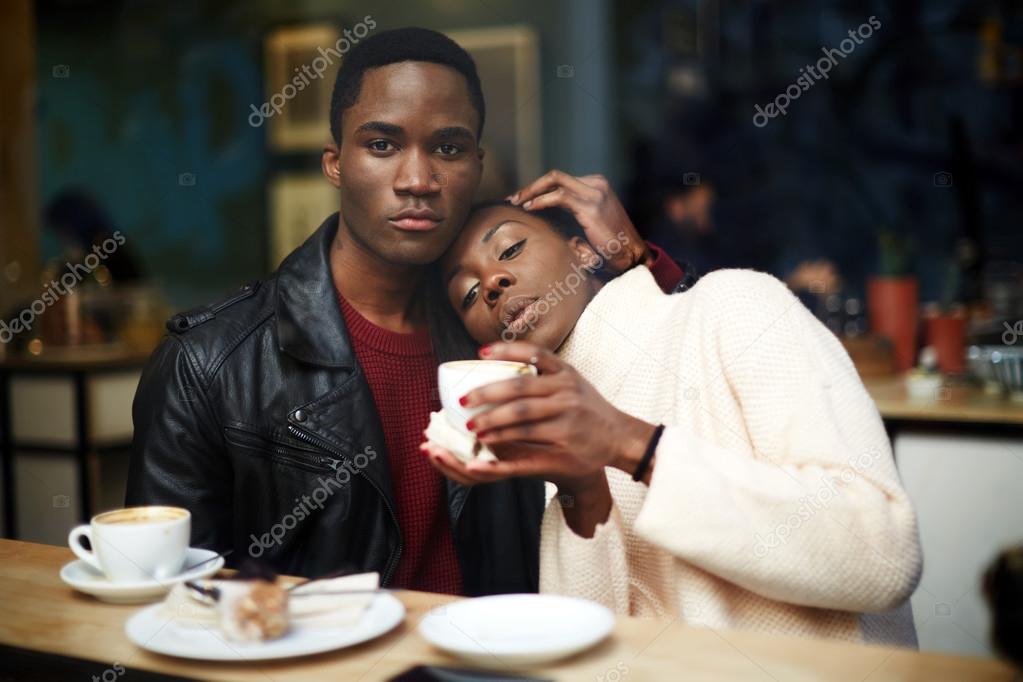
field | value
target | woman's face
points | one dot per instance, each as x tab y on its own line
512	277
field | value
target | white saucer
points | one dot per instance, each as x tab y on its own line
516	629
153	629
87	579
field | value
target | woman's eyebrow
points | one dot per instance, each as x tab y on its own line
490	233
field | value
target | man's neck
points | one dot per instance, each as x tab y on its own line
382	292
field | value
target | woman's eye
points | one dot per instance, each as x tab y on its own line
448	149
512	250
470	297
380	146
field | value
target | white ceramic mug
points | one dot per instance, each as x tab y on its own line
457	378
136	544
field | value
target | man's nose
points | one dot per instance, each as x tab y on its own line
416	176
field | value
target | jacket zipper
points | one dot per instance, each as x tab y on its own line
308	463
392	563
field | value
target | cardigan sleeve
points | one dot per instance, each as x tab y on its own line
594	568
805	506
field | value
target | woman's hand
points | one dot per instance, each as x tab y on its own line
554	426
597	208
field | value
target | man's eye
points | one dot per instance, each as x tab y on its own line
380	146
470	297
512	250
448	149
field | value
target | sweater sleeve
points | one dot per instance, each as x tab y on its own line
805	506
594	568
667	273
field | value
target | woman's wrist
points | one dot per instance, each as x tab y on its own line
632	445
585	504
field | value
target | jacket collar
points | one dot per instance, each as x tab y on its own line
310	327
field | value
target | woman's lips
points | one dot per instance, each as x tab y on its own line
520	316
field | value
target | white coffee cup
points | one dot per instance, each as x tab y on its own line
136	544
457	378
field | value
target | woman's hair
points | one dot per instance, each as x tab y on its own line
450	339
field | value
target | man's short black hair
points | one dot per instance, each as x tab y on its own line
394	46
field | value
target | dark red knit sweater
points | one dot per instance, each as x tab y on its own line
402	374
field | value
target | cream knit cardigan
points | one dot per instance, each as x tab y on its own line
774	504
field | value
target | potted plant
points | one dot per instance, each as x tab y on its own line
893	298
945	323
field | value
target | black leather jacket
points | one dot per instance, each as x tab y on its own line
254	414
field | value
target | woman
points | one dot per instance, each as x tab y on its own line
768	500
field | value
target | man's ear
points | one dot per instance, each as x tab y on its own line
480	153
330	161
585	253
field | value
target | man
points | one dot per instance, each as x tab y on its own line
288	417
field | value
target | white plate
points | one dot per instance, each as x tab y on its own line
516	629
85	578
157	632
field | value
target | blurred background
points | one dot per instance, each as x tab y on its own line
155	155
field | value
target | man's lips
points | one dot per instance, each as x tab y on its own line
415	219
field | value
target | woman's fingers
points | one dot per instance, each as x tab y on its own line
542	431
524	351
525	386
518	411
500	470
447	464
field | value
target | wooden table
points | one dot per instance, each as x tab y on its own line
42	618
971	406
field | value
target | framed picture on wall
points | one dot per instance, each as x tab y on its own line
301	63
299	202
507	59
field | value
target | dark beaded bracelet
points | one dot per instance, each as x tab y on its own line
644	463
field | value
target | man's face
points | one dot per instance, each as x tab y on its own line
408	165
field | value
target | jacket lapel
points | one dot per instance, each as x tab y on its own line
311	329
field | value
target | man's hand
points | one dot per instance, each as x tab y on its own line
597	208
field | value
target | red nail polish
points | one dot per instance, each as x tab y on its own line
471	424
463	401
485	351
